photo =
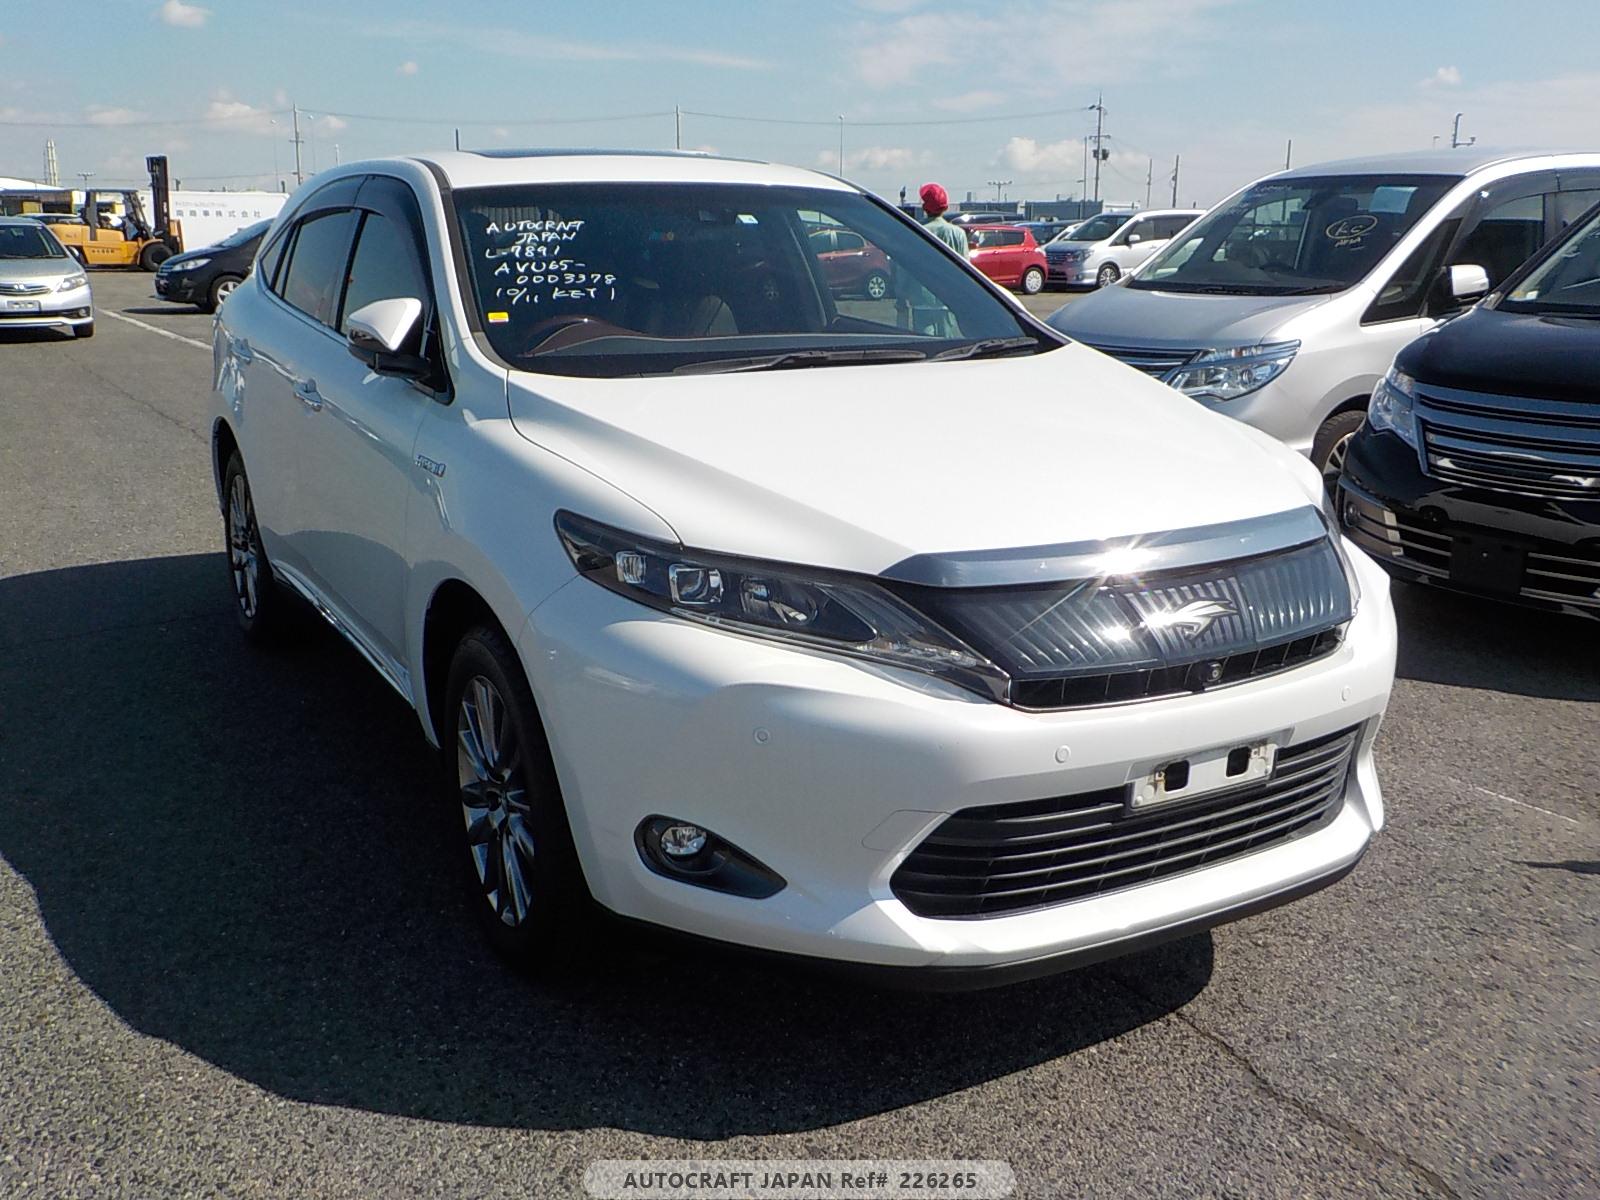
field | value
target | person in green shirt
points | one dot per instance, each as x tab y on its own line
935	200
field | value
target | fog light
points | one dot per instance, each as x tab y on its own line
682	841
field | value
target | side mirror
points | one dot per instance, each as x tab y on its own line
376	332
1134	239
1468	282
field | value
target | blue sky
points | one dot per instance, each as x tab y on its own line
1224	83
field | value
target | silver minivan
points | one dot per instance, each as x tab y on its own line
1284	305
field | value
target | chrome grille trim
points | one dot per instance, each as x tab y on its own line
1519	444
1151	361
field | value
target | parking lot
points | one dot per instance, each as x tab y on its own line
234	960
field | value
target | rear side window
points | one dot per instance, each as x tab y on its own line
385	267
313	278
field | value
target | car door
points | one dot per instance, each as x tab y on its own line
358	470
268	352
1127	253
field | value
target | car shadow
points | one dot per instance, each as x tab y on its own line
1463	641
243	852
38	333
175	308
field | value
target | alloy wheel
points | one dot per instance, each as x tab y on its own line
494	800
1335	464
225	289
244	547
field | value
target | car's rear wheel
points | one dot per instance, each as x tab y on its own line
876	286
221	288
1107	275
522	866
258	603
1032	281
1332	442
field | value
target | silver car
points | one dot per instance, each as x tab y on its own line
1284	305
41	285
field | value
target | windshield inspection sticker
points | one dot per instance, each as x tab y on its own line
1348	231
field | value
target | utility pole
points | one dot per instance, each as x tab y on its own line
1288	154
999	186
299	175
841	144
1149	178
458	139
336	154
1455	134
1177	161
677	125
1083	180
1099	108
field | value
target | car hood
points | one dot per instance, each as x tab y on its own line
860	467
1515	354
37	268
1125	316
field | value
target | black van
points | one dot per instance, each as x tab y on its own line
1478	466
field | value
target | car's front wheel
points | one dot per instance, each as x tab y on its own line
258	604
876	286
1032	281
521	863
1331	443
1107	275
221	288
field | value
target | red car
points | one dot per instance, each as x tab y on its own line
1008	255
852	265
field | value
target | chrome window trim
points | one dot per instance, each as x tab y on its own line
1141	554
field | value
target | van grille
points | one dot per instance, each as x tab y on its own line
1511	443
1160	363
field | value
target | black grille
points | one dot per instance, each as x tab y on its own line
1512	443
1007	858
1159	363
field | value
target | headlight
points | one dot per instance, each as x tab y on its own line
73	282
817	609
188	264
1229	374
1393	406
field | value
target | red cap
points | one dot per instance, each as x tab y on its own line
934	197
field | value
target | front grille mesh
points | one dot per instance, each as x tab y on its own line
1508	443
1009	858
1159	363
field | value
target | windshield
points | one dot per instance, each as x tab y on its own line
1098	228
1568	281
28	241
621	279
240	236
1295	236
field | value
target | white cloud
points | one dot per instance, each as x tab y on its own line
333	124
184	16
406	68
1443	77
968	101
235	116
100	115
514	44
871	158
1057	160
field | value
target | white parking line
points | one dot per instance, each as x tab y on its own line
166	333
1523	804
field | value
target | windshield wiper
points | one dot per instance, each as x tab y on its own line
987	347
789	360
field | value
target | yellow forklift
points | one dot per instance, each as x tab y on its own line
139	241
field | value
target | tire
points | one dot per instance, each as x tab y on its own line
83	331
876	286
1032	281
221	288
521	866
1332	440
1107	275
259	604
153	255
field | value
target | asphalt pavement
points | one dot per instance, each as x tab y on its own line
234	960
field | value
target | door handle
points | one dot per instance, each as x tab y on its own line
306	392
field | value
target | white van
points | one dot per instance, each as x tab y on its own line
1109	245
1285	304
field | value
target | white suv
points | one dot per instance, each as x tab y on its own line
860	629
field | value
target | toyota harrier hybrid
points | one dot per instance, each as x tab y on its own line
1284	305
890	631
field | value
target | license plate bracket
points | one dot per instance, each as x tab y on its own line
1487	564
22	306
1203	773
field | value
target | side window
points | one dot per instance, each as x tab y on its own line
313	278
1569	206
385	267
1504	238
1011	237
1170	227
1143	230
267	263
844	240
1407	290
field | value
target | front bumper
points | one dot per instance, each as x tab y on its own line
830	773
1068	271
56	310
1537	551
180	287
